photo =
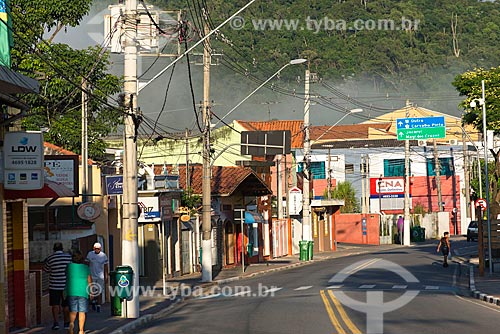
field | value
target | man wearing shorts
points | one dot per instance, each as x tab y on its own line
98	263
55	264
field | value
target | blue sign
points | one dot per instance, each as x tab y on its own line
114	185
420	122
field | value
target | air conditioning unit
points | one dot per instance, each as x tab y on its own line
422	143
453	142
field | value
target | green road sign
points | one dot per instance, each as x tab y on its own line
422	133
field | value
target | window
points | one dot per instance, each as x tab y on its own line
394	167
447	168
317	169
349	168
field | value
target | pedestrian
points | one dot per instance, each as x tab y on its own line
444	245
55	264
400	225
98	263
77	291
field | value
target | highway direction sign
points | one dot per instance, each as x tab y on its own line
420	122
421	128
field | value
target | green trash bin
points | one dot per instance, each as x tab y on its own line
303	250
124	282
310	245
250	249
116	302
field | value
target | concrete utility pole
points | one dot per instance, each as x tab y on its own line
466	176
206	243
486	175
130	249
437	170
406	227
279	187
306	205
85	149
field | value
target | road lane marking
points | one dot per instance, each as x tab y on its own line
431	287
335	286
303	287
367	286
331	314
343	314
400	287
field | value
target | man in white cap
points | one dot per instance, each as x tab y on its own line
98	263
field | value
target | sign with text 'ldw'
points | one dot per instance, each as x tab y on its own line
23	160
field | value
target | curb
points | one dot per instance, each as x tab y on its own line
478	294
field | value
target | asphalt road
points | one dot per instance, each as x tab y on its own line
399	291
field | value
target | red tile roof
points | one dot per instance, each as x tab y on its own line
354	131
51	149
295	126
225	179
342	132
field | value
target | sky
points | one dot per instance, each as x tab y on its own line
229	88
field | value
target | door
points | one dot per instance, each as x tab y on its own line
230	243
186	251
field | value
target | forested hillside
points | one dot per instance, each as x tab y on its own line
445	37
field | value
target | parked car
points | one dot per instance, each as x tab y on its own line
472	231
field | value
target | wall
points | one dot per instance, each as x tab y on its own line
349	228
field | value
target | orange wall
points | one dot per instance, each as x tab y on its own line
349	228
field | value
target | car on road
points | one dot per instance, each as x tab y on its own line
472	231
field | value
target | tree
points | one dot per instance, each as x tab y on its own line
346	192
469	84
60	71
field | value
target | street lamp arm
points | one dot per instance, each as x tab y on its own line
337	122
195	45
253	92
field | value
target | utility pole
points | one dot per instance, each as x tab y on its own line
329	178
85	150
466	176
188	184
130	249
363	208
406	226
437	170
306	206
206	243
279	186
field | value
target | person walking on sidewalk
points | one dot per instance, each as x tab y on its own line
98	263
77	290
444	245
55	264
401	226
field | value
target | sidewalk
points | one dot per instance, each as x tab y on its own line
486	287
158	305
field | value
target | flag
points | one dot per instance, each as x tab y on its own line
5	33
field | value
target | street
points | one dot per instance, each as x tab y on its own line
399	291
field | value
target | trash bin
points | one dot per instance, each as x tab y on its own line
310	245
250	249
303	250
116	302
417	234
124	281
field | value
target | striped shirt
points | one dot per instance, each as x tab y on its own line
55	265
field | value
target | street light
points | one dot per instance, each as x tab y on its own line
291	62
482	102
352	111
206	250
379	194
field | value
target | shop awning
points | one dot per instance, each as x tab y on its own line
253	217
